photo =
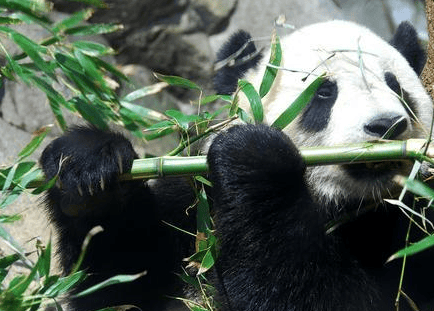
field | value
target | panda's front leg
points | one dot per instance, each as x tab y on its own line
87	193
274	253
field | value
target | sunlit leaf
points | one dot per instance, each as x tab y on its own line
419	188
94	29
270	72
145	91
34	143
73	20
111	281
254	100
93	48
178	81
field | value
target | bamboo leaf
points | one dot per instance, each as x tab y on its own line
207	262
414	248
183	120
63	285
93	48
145	91
73	20
111	281
90	113
91	70
254	100
94	29
149	116
34	9
419	188
32	49
102	64
8	260
98	3
34	143
271	73
203	214
299	103
178	81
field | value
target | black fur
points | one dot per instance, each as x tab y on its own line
407	43
226	79
274	252
134	238
394	85
316	116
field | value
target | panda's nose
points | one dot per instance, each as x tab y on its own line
386	127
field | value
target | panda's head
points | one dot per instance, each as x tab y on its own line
371	87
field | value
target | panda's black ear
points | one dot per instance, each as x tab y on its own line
407	43
234	58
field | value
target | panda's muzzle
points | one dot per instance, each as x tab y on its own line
375	170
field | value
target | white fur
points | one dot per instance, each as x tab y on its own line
363	95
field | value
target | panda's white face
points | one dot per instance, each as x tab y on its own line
370	88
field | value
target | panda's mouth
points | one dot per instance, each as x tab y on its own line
375	170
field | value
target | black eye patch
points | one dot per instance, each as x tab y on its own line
316	115
393	84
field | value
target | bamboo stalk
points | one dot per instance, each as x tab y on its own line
411	149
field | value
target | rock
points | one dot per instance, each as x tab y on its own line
170	37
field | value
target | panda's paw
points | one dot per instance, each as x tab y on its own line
87	160
254	151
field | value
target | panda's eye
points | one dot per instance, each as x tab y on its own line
327	90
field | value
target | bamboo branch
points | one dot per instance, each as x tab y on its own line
411	149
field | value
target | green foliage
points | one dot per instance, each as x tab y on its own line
75	78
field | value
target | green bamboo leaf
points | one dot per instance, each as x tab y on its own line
91	70
102	64
178	81
98	3
9	20
68	63
146	115
419	188
34	9
160	129
45	186
44	260
299	103
90	113
271	73
414	248
207	262
65	284
213	98
73	20
11	241
8	260
182	120
58	114
111	281
145	91
193	306
32	49
5	219
93	48
254	100
94	29
8	178
203	214
34	143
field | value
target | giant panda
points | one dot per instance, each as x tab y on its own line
270	212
